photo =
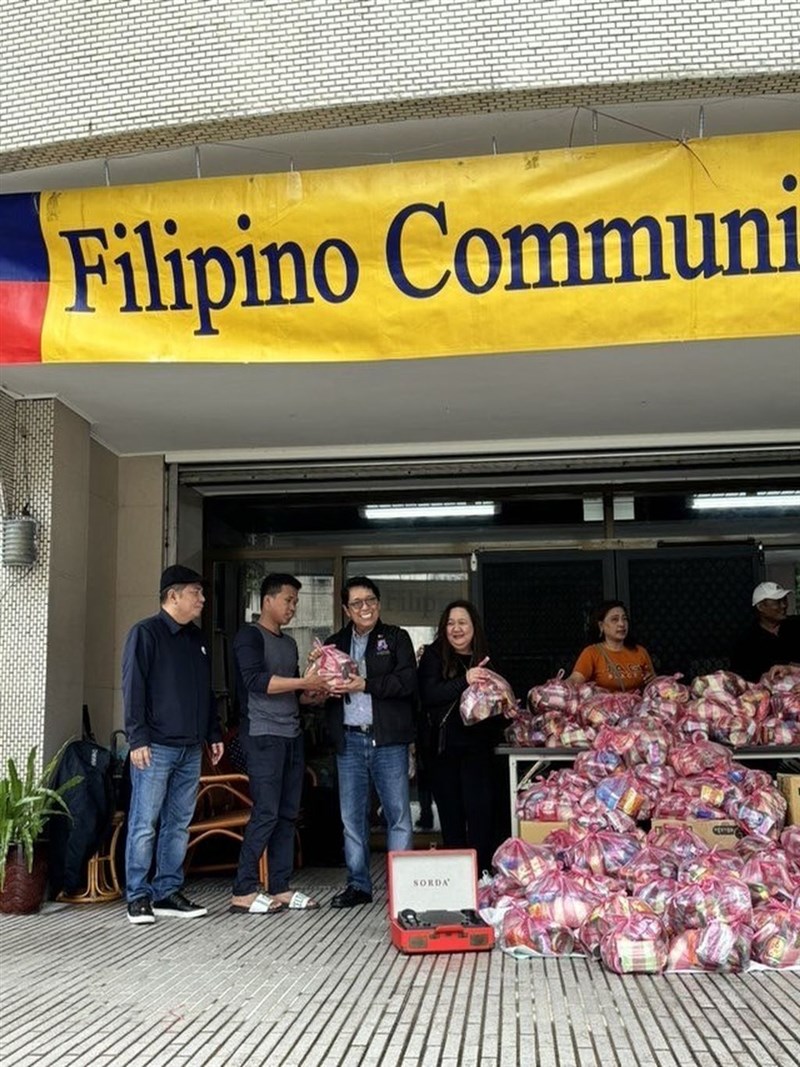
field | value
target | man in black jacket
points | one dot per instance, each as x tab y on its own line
772	638
169	714
371	720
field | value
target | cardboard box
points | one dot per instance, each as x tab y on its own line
535	832
717	833
789	785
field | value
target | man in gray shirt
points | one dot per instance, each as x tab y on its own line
268	683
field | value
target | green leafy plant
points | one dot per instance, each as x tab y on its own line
26	803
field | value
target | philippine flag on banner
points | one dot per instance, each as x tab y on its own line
24	279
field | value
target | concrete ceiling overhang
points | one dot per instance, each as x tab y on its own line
657	394
736	391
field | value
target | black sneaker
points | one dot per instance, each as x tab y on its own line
140	912
178	905
349	897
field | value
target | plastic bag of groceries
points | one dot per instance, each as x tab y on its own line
649	863
564	898
735	728
655	778
756	701
623	792
719	946
694	757
666	687
681	806
778	732
522	934
604	852
606	709
769	875
782	678
715	861
596	764
487	698
725	898
657	894
617	739
790	843
602	918
596	817
762	813
523	863
776	942
721	683
635	946
331	662
681	841
557	695
525	733
713	787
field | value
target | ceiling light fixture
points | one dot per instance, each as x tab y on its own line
456	510
785	498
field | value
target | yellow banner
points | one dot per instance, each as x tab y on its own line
570	248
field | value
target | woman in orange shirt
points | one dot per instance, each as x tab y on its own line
616	662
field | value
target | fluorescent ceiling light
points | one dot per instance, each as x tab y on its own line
593	508
735	501
457	510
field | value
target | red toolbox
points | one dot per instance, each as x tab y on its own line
432	900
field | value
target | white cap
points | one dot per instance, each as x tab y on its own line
768	591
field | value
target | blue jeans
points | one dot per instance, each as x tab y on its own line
275	769
387	767
163	795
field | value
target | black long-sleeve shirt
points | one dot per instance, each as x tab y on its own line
759	649
440	697
166	684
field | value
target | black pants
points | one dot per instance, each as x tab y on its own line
275	768
462	789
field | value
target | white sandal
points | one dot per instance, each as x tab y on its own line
262	905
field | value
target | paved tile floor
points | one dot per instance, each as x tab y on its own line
81	987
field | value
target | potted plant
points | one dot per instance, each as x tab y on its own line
26	803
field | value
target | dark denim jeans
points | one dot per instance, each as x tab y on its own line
275	768
165	791
387	767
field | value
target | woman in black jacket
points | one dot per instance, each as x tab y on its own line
459	756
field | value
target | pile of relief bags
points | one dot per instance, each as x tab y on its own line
648	903
663	900
720	707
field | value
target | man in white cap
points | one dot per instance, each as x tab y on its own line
772	638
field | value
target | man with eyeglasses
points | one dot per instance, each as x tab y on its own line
371	719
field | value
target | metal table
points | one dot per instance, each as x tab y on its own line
537	759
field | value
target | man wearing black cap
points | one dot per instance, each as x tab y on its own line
169	714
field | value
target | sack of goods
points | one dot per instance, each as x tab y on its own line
331	662
489	697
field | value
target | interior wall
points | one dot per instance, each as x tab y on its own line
139	558
101	670
66	624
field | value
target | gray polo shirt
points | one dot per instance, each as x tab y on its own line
260	655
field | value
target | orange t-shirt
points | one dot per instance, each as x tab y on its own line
633	665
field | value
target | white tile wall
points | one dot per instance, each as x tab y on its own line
24	591
103	70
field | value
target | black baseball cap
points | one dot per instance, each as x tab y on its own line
178	575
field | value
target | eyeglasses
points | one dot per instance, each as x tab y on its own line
367	602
